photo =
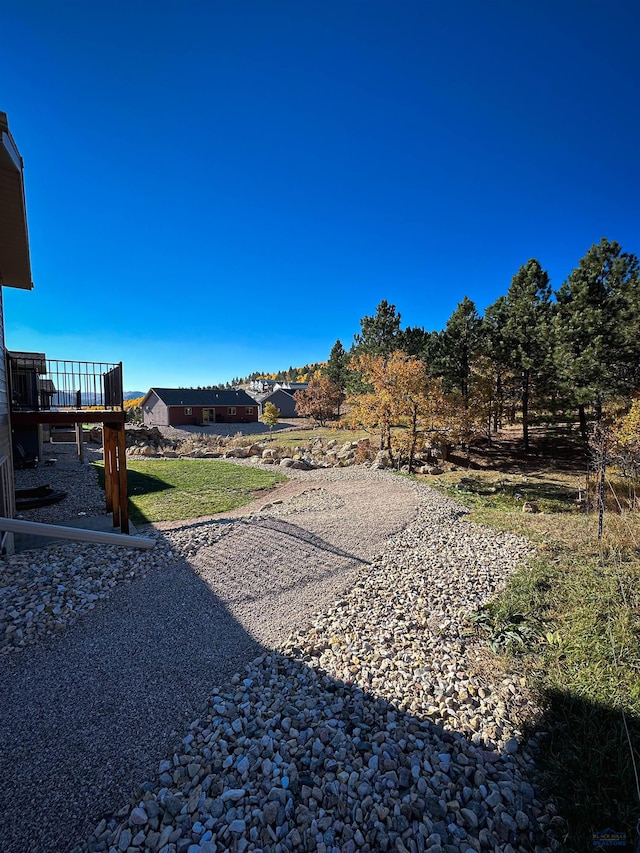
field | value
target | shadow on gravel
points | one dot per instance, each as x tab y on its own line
87	715
352	770
303	537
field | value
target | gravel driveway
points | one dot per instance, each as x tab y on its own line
86	715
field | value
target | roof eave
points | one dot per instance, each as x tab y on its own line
15	259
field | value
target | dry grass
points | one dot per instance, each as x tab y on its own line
569	621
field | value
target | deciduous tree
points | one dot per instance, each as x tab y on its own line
320	400
270	415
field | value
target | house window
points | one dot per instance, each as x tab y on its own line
188	411
231	410
248	410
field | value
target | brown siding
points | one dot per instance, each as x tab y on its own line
5	425
177	416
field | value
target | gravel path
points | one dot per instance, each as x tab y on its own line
98	692
377	728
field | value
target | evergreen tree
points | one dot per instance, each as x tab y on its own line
336	368
526	331
496	357
378	333
597	327
461	340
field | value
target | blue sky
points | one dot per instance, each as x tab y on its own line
226	186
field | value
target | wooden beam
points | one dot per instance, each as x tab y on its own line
115	477
106	453
15	525
122	477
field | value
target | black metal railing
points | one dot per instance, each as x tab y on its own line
48	384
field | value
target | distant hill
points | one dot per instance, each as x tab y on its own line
132	395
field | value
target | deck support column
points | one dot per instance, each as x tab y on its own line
80	442
107	436
122	478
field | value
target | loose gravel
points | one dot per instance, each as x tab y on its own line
91	701
79	481
377	728
298	675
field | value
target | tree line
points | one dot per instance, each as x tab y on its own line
535	350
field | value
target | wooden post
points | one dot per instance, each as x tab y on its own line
80	442
106	452
115	478
122	478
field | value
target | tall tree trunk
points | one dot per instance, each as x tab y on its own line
525	410
597	409
497	415
414	437
582	417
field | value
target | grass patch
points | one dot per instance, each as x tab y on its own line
568	621
293	438
175	489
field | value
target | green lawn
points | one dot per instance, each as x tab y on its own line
175	489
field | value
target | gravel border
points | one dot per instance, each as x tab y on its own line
90	709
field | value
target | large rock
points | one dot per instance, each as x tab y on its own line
383	459
238	453
144	435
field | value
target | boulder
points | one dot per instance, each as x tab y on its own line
238	453
286	462
383	459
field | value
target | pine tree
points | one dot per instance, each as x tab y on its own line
597	328
336	368
378	333
461	340
526	331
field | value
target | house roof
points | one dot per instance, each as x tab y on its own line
200	397
15	261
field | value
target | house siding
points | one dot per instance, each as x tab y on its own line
281	400
5	423
155	412
177	416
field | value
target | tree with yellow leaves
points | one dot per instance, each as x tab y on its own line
403	396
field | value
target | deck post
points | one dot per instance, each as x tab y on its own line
115	477
122	478
80	441
106	453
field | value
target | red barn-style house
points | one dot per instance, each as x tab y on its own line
193	406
